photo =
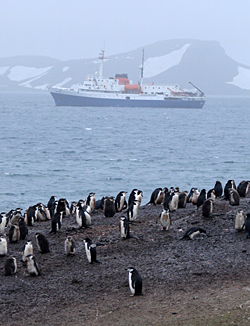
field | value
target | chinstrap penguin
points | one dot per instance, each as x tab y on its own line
23	228
56	222
3	245
42	243
109	206
239	220
10	266
69	246
14	233
134	281
165	220
27	250
90	249
193	232
32	266
247	225
124	227
207	207
120	201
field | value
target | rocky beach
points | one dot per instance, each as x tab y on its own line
204	281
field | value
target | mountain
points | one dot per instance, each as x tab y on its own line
204	63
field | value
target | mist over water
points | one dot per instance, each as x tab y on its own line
69	151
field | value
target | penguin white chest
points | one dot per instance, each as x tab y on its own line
3	246
130	282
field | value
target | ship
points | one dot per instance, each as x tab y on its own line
117	91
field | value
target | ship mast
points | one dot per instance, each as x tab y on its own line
101	57
142	67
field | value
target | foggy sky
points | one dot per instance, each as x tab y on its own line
79	29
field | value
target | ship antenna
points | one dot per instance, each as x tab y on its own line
142	67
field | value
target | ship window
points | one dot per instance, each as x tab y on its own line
127	98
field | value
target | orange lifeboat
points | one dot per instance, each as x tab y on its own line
135	88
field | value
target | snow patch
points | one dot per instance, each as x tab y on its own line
155	66
242	80
19	73
42	87
66	80
65	69
27	82
3	70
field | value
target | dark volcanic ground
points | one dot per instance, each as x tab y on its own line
205	281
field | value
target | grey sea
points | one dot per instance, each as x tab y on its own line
70	151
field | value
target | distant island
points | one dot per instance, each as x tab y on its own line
179	61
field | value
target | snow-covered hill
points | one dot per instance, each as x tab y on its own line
167	62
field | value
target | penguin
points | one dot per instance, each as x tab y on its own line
135	195
190	195
14	233
27	250
195	196
132	210
63	206
3	245
83	217
243	188
173	201
90	201
167	199
51	201
120	202
42	243
99	203
239	220
233	197
165	220
90	249
56	222
69	246
202	197
31	215
192	232
229	184
23	228
32	266
53	208
43	213
138	196
134	281
73	207
109	206
247	225
3	222
156	197
211	194
14	215
124	227
10	266
207	207
218	189
183	198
